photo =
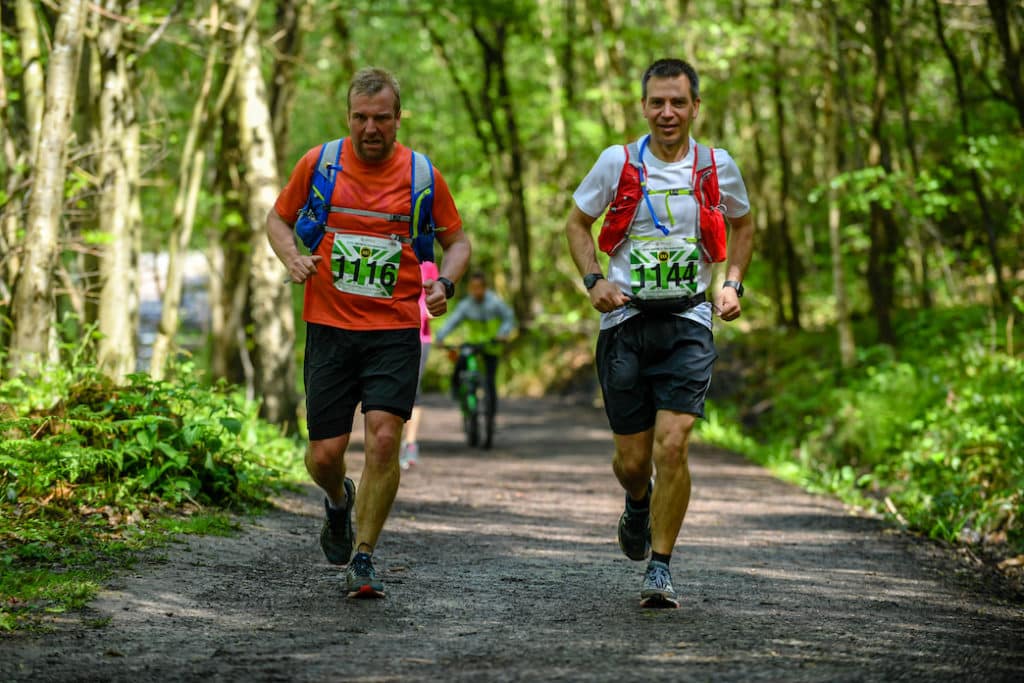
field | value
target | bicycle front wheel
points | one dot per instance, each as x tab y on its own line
471	418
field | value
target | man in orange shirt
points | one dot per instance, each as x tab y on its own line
361	307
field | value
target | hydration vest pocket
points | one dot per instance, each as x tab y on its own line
619	217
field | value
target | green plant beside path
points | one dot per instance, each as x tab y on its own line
931	433
91	472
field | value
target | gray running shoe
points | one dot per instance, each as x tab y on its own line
361	580
657	590
336	536
635	531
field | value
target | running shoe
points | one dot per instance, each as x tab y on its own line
336	536
635	531
361	580
657	590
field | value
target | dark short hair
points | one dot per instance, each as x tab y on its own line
478	275
671	68
371	81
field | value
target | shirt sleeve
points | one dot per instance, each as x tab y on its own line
507	316
597	189
731	185
446	215
294	195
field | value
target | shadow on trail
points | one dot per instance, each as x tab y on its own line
503	566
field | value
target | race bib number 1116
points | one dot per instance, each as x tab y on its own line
366	265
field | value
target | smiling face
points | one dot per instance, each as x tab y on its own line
373	120
670	110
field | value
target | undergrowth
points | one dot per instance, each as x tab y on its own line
930	433
92	471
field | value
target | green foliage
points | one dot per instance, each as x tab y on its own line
91	470
931	433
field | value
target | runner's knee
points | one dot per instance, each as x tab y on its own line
671	444
326	453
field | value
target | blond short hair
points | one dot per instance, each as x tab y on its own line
370	81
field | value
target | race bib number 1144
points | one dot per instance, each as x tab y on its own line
366	265
663	269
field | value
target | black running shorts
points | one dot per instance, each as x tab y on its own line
377	368
651	363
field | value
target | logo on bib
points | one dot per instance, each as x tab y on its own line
365	251
663	256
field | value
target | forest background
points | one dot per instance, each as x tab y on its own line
879	355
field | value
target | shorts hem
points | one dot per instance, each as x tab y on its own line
401	412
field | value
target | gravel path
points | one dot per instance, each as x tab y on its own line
503	566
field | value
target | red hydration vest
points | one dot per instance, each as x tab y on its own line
632	191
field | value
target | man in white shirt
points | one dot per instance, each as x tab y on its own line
655	350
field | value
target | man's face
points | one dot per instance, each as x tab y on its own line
373	123
477	289
670	110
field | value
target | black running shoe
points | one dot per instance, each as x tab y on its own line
336	536
635	531
361	580
657	590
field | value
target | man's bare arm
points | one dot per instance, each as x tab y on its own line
604	296
457	250
282	241
741	247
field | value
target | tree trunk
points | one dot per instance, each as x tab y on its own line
292	17
229	264
559	127
116	348
270	301
519	222
1004	18
783	156
32	82
883	230
976	185
33	309
190	175
833	127
918	246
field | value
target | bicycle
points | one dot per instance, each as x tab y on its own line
473	395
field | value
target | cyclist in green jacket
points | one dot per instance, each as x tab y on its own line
488	320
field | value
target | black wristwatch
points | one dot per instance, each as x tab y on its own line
449	287
735	284
590	279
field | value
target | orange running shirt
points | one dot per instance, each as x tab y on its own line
382	187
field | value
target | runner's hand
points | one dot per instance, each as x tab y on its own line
727	303
302	267
437	302
606	296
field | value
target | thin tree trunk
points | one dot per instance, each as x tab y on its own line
924	289
883	229
292	16
833	127
229	258
559	127
190	176
33	309
783	155
32	80
976	185
116	348
270	301
1009	36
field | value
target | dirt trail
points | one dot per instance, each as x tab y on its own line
503	567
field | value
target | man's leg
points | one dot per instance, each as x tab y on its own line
632	462
671	495
325	462
378	485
